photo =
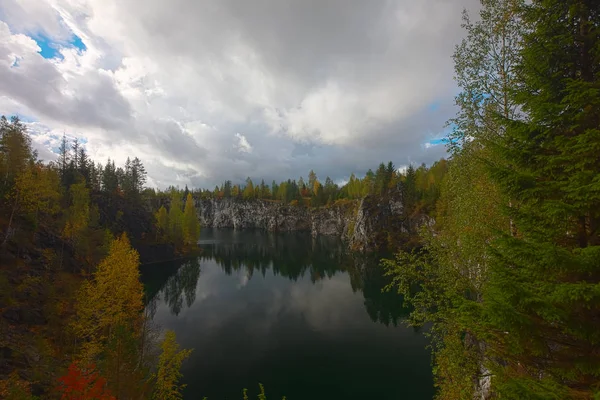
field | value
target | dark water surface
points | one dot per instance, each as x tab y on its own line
297	314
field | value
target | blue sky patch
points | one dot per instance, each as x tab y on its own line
51	49
48	48
433	107
26	118
435	142
78	43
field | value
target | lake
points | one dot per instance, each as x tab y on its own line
297	314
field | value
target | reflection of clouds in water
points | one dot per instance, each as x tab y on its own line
266	282
244	278
327	305
258	310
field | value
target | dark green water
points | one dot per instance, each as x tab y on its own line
299	315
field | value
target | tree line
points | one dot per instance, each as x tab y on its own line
509	277
419	186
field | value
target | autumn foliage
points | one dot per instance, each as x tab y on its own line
83	384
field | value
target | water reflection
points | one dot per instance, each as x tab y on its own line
293	256
292	312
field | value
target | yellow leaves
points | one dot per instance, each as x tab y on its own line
181	228
78	214
162	219
316	187
191	225
168	374
112	298
37	189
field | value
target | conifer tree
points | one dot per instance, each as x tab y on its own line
78	216
249	189
162	220
543	300
15	152
63	160
38	190
167	385
176	218
113	298
191	225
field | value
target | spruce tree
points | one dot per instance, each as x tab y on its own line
543	299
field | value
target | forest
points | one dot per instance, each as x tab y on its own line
507	279
73	323
423	181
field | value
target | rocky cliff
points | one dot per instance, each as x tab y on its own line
366	225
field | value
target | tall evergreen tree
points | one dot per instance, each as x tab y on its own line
83	165
63	159
16	153
543	300
110	181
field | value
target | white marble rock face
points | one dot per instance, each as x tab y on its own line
355	223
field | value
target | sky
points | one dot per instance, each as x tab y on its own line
207	90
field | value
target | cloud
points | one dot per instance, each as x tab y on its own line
243	146
335	86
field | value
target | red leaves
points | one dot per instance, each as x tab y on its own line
83	384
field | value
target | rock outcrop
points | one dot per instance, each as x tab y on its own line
366	225
276	217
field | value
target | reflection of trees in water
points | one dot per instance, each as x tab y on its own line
367	276
178	287
291	256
